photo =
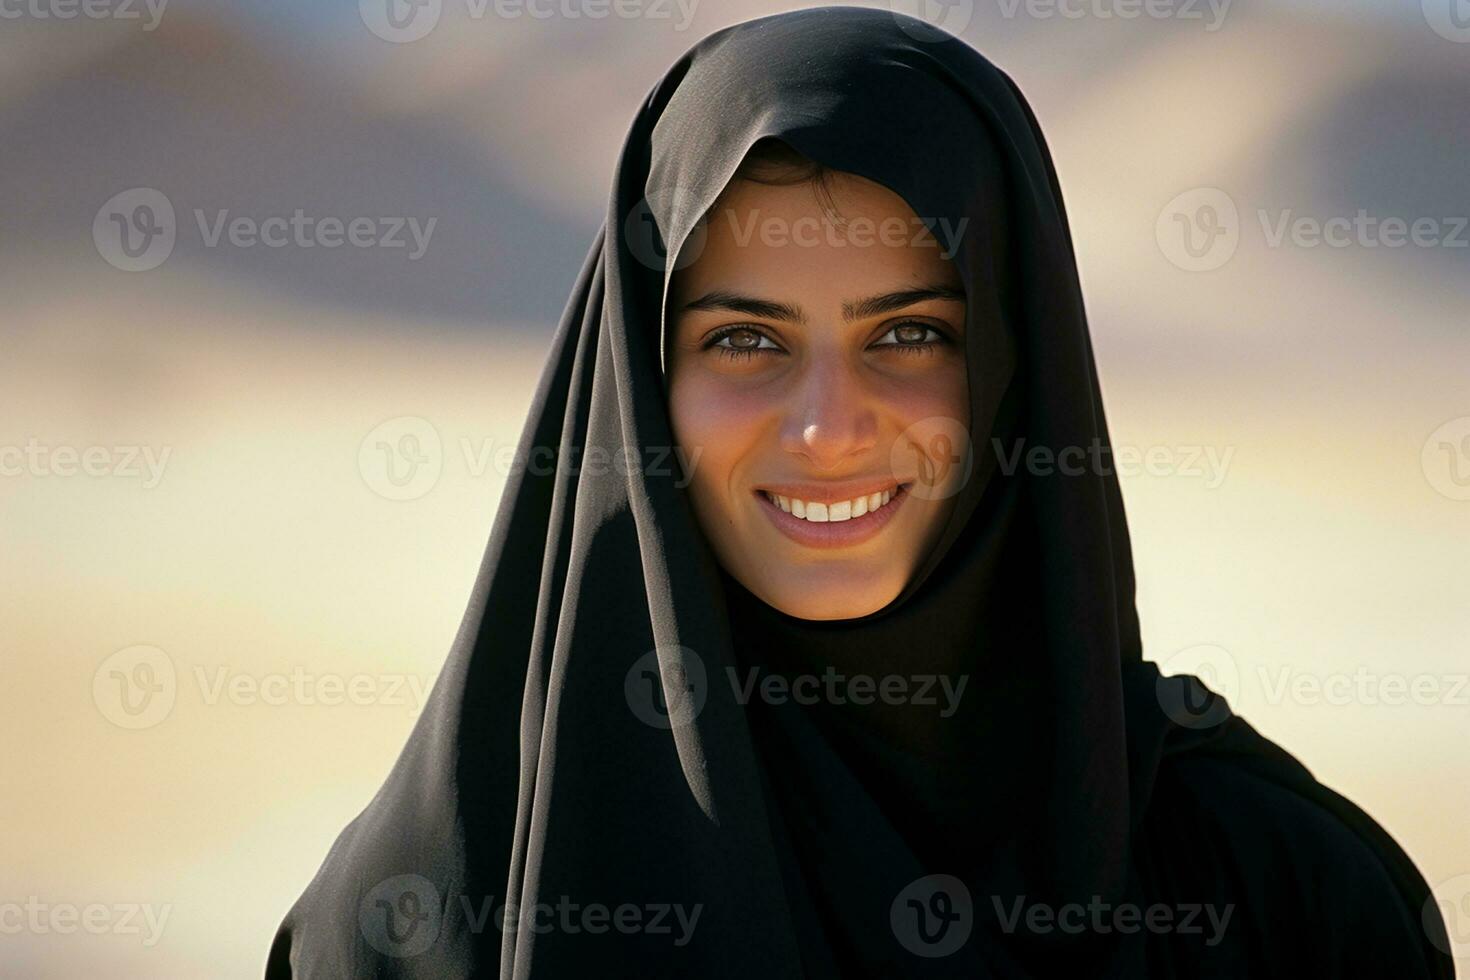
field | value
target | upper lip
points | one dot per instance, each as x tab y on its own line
832	492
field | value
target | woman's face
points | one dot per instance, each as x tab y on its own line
818	389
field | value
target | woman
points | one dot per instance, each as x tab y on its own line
789	667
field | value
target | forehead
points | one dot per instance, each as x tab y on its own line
781	241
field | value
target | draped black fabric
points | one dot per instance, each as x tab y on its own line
588	792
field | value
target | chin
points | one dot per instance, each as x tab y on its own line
808	598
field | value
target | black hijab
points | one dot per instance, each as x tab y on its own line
586	780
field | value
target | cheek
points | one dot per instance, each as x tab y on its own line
928	415
940	393
719	428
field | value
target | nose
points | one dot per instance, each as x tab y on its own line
830	418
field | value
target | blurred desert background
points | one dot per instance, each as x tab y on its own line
192	496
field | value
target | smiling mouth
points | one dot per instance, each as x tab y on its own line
832	521
836	511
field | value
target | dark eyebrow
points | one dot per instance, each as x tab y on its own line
720	299
888	302
766	309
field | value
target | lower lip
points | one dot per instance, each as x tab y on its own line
832	534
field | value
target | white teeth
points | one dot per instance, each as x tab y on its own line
820	513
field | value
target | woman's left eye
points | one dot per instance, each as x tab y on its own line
911	336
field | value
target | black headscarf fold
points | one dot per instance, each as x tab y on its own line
584	747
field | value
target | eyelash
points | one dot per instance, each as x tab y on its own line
924	347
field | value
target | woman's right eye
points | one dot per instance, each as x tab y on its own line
741	342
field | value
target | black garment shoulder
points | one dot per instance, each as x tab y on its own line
1304	881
